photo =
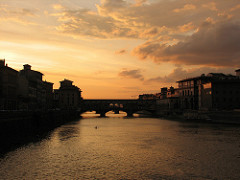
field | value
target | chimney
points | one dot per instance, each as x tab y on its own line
27	67
238	72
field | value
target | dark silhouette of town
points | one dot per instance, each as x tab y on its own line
25	90
30	107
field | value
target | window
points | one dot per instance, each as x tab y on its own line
180	85
185	84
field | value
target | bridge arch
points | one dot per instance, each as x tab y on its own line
102	106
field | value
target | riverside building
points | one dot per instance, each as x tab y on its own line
24	89
214	91
8	87
68	96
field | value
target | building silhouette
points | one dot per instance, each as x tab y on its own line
238	72
68	96
220	92
8	87
214	91
48	90
24	89
33	91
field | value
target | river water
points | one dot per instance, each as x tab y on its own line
117	147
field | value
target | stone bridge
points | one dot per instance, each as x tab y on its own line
130	106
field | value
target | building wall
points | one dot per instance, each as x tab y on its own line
34	94
68	96
188	94
206	96
217	91
147	96
48	94
238	73
226	94
8	87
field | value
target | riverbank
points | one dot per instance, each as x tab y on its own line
20	127
221	117
224	116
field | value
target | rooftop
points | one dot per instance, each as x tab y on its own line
66	80
194	78
27	67
214	76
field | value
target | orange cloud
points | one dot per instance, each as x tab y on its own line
58	6
122	19
213	44
19	15
122	51
211	6
182	73
186	27
186	7
133	73
235	8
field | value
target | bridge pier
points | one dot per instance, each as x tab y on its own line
102	114
129	114
116	111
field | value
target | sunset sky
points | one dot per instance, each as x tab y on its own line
121	48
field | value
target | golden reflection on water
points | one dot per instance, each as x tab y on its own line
108	114
128	148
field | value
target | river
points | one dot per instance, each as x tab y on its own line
117	147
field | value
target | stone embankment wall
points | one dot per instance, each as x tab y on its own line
224	116
18	126
214	116
29	120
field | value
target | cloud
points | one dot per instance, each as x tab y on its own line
140	2
122	51
181	73
193	33
134	73
211	6
140	19
237	7
19	15
84	22
58	6
213	44
186	7
163	13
